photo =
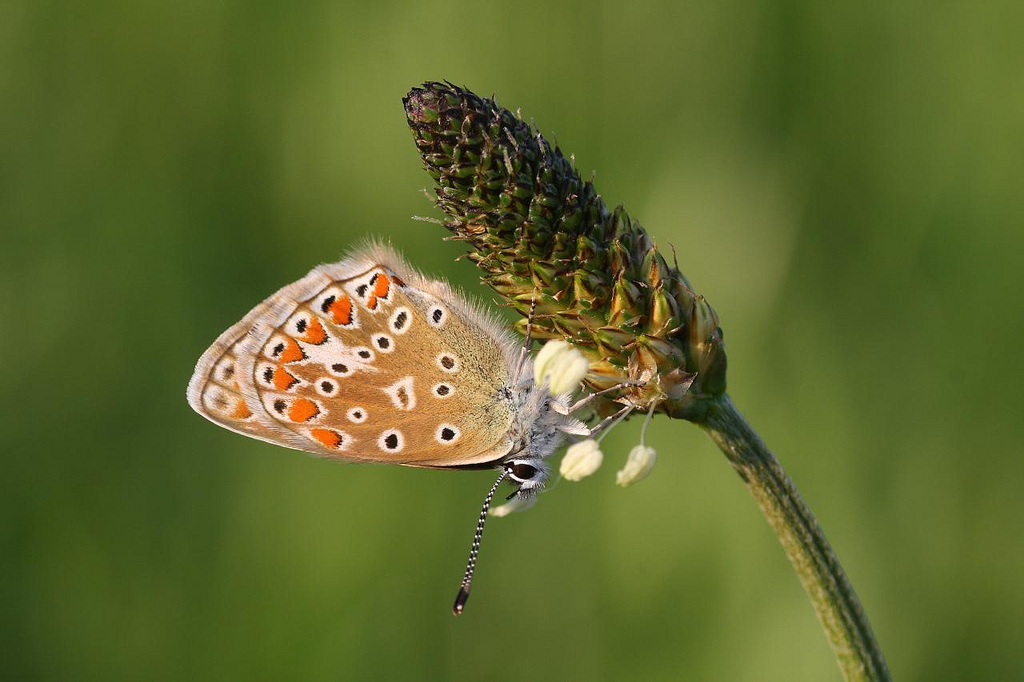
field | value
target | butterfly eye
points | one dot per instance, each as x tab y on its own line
523	472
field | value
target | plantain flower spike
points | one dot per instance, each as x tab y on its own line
561	366
538	231
581	460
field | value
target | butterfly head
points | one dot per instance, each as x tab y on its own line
538	429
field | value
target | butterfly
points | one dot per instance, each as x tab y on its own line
367	360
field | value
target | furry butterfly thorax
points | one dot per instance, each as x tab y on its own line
367	360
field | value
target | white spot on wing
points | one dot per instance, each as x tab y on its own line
401	394
383	343
298	324
217	400
400	320
342	368
326	387
437	316
363	354
443	390
389	438
224	372
274	347
447	434
448	362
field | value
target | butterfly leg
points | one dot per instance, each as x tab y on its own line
612	420
586	400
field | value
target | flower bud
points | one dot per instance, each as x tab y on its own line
639	463
517	503
581	460
561	366
703	323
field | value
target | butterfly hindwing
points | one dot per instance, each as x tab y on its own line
364	360
215	390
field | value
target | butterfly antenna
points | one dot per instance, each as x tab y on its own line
467	579
525	350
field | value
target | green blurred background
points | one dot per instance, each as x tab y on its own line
842	182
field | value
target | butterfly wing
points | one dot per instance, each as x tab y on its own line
364	360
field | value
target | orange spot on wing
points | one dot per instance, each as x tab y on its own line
328	438
341	310
303	410
283	380
382	286
241	411
291	352
315	333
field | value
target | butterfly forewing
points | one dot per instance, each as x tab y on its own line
363	360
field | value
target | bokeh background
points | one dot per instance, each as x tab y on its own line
842	182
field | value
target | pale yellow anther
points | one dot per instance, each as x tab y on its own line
561	365
639	463
581	460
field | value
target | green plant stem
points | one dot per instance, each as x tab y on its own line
817	566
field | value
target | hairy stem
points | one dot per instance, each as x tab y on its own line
817	566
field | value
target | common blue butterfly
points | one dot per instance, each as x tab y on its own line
367	360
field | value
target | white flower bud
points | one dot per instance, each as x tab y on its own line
517	503
639	463
561	365
581	460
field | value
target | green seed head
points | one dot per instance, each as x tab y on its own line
537	231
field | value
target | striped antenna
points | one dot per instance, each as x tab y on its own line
467	579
